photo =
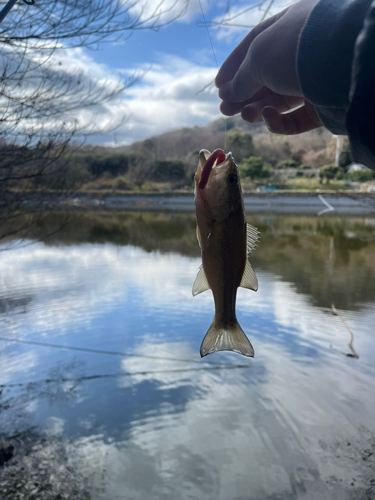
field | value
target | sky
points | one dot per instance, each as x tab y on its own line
175	63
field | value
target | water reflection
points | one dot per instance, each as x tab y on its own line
301	250
161	423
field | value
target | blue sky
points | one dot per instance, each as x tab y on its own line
176	63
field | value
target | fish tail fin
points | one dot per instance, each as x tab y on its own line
230	338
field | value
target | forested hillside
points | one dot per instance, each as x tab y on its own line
168	161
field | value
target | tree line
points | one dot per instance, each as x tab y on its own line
169	161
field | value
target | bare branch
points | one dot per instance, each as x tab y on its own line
49	103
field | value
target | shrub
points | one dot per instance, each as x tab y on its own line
222	125
114	164
328	172
298	155
241	143
289	163
168	170
121	184
254	168
361	175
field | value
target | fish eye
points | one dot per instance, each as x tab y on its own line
232	179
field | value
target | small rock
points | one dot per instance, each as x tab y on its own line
6	452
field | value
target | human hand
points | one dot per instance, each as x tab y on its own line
259	78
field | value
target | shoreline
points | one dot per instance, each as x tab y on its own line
348	203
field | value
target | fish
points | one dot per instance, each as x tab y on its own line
226	241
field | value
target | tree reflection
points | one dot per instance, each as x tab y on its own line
295	248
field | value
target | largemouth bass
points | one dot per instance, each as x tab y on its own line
226	242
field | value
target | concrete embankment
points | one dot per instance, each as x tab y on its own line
275	202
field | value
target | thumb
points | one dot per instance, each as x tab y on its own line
298	121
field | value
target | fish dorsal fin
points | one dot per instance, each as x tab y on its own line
252	237
200	283
249	279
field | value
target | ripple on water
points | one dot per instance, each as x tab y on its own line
162	423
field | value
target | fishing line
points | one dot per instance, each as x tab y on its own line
217	64
116	353
208	33
46	381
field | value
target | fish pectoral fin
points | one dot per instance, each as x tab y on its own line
231	338
249	279
199	238
252	238
200	284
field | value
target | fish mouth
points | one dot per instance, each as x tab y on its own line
209	161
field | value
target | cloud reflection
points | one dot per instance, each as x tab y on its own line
70	289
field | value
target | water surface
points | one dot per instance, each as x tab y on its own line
154	421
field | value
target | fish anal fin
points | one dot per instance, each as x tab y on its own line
200	284
249	279
252	237
219	338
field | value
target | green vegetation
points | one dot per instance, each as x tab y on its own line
288	163
254	168
306	184
116	164
328	173
361	175
168	170
168	162
241	144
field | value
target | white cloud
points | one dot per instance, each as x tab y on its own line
166	98
273	410
16	365
61	288
232	422
161	12
54	426
241	17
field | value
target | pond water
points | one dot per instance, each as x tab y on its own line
144	417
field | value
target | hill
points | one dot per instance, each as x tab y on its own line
168	161
315	148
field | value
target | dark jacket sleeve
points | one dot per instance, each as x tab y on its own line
335	65
360	118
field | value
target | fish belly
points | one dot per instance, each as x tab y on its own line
224	259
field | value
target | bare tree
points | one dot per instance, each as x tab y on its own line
235	16
41	96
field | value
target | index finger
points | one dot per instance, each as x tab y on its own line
230	66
